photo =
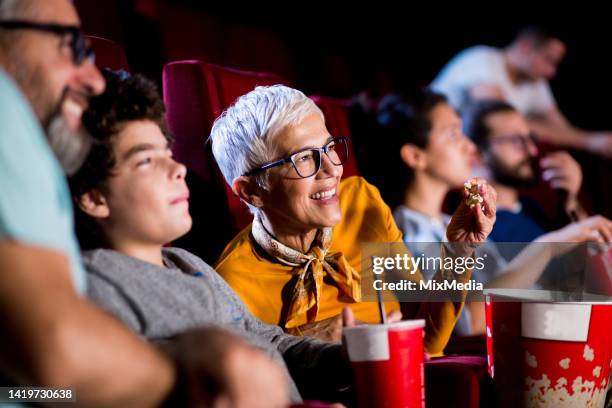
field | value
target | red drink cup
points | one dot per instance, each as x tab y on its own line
548	353
387	362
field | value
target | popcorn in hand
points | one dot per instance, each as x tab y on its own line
474	197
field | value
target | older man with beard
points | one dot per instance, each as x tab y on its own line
51	335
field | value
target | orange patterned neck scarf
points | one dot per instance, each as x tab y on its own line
310	269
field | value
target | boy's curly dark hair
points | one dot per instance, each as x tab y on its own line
125	99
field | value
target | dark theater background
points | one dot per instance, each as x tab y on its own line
339	50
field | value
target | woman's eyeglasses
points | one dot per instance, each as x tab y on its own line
307	162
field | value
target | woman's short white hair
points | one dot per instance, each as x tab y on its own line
243	136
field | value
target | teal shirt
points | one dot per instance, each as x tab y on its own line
35	204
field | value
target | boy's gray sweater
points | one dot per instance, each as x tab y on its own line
161	302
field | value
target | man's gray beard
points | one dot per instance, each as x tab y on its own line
70	147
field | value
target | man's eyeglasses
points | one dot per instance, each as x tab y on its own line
79	44
307	162
517	141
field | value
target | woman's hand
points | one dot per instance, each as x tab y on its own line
473	225
331	329
327	330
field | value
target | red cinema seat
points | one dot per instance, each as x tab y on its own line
229	84
109	54
189	115
196	93
189	118
337	122
458	381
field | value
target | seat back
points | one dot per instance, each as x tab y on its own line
196	93
337	121
109	54
189	114
228	85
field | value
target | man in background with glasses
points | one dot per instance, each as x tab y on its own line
510	155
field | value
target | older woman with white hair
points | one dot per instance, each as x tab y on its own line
297	265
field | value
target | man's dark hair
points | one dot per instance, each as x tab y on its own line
538	36
475	120
125	99
404	119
